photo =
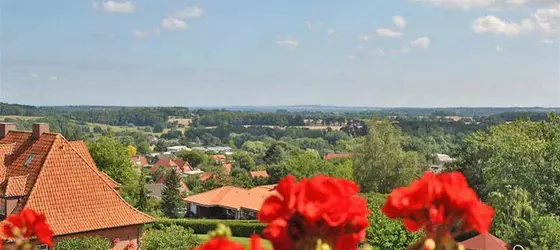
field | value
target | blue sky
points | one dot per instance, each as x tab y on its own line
281	52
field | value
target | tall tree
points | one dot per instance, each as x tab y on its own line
381	164
112	158
171	196
243	160
142	202
195	157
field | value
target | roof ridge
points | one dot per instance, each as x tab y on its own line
97	172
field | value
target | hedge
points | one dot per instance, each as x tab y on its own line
239	228
90	243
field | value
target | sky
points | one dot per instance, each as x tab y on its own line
379	53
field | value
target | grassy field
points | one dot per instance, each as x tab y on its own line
123	128
242	240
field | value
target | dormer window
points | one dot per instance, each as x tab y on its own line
29	159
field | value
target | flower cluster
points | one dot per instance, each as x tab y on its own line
130	246
25	225
320	210
437	203
220	240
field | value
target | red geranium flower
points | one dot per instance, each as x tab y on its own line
220	243
27	224
322	207
439	200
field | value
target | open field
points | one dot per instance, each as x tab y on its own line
244	241
123	128
182	121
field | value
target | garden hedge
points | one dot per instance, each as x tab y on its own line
239	228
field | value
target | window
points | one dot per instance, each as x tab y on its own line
43	247
29	159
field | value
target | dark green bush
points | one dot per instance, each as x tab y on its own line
169	238
90	243
239	228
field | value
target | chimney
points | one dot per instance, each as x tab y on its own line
5	128
39	129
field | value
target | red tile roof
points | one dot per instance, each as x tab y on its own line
165	163
218	157
206	176
338	156
82	149
261	173
16	186
140	160
183	165
232	197
486	242
227	168
66	187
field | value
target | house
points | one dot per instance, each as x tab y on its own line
225	150
258	174
183	186
485	242
45	172
329	157
140	161
180	165
176	149
218	158
229	202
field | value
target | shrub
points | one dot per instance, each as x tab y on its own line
239	228
382	232
90	243
171	237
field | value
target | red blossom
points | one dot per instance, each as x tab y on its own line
220	243
27	224
439	200
318	208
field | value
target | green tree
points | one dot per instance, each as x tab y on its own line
194	157
142	201
144	148
522	154
243	160
159	127
256	149
171	197
275	153
112	157
240	178
169	238
381	164
90	243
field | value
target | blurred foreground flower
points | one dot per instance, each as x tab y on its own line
317	213
443	206
23	226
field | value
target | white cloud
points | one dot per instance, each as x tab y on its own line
487	4
351	57
176	21
543	21
499	49
189	12
399	21
388	33
547	41
53	78
376	52
422	42
115	6
288	42
308	24
401	50
365	38
145	33
173	23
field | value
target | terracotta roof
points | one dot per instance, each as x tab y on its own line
338	156
485	242
65	186
218	157
206	176
140	160
165	163
261	173
82	149
183	187
232	197
16	186
183	165
227	168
